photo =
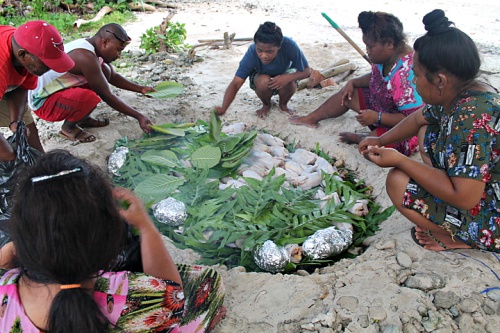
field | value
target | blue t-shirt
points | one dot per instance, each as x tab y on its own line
289	56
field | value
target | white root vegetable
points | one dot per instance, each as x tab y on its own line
294	166
360	208
324	165
327	198
303	156
270	140
278	151
251	174
312	180
234	128
294	251
343	226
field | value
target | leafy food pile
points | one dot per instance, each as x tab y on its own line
225	224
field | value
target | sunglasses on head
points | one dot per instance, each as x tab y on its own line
124	42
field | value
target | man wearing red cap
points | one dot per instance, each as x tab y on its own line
72	96
25	53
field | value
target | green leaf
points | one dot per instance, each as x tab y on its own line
162	158
157	187
206	157
167	89
169	130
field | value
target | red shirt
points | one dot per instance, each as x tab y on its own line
10	79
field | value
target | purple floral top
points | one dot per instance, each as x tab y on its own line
395	92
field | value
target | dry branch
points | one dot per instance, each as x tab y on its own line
104	10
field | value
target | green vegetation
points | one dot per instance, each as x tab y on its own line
186	161
172	40
55	13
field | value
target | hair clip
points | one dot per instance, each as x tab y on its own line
55	176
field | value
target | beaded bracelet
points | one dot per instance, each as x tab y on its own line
379	121
12	122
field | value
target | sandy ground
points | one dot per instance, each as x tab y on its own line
395	286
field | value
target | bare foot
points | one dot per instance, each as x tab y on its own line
297	120
351	138
263	112
286	109
221	314
438	241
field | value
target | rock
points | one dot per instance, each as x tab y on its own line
494	295
431	322
385	245
445	299
410	328
308	327
425	282
326	330
403	260
377	313
364	320
392	329
348	302
468	305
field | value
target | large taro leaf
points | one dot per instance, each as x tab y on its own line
167	89
163	158
157	187
206	157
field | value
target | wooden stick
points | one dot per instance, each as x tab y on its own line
326	73
347	38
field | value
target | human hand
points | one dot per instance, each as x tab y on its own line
367	142
383	157
135	214
347	93
220	110
367	117
144	122
145	89
278	82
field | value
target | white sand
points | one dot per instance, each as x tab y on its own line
395	285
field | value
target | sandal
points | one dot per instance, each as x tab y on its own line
91	122
413	233
78	135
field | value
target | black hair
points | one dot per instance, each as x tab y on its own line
269	33
114	28
382	27
65	230
446	48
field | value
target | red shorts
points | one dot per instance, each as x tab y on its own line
72	104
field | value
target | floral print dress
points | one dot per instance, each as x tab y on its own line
134	302
464	143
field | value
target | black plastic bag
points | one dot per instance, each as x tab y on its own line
25	155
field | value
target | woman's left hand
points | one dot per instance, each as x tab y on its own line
367	117
383	157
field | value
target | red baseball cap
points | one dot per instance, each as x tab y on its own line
44	41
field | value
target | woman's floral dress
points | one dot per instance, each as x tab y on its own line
464	143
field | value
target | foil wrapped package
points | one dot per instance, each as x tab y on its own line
170	211
117	159
271	257
327	242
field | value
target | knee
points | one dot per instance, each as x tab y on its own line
261	82
396	186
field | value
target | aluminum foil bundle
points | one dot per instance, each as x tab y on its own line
327	242
271	257
170	211
117	159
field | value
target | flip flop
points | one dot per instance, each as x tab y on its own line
78	135
91	122
413	233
